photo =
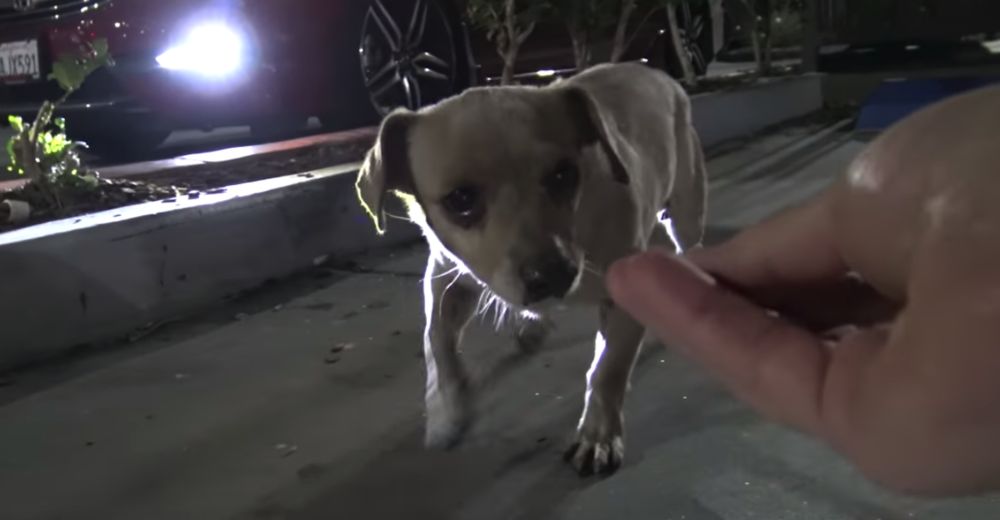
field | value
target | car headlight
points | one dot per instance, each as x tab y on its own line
213	49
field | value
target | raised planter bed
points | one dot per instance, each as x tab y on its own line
163	179
97	277
730	114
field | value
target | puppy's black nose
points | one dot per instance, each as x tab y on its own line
548	279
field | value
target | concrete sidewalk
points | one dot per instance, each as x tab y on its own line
303	401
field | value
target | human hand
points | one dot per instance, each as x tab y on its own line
779	317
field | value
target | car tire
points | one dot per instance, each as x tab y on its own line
696	29
698	17
411	53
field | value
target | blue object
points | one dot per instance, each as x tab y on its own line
893	100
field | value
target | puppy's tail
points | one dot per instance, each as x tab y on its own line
689	198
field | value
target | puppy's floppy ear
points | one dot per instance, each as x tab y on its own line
593	125
386	166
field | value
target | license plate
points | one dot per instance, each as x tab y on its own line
19	62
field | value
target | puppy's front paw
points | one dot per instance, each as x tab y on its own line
449	417
600	442
531	334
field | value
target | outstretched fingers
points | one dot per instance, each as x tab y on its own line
765	360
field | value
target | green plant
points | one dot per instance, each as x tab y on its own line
508	24
41	150
786	28
626	9
773	22
588	21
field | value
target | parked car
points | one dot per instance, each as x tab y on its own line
271	64
899	34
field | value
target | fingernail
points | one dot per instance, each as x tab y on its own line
656	289
697	271
639	278
684	261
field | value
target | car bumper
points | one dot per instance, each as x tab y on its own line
95	109
128	92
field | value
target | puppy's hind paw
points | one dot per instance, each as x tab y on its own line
442	435
591	456
447	424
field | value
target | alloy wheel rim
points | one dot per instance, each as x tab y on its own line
407	54
692	27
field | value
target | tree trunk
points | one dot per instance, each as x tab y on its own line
758	55
581	48
510	40
768	63
810	38
509	52
509	61
755	35
687	69
763	19
620	44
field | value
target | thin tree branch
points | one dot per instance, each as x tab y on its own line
618	47
521	38
635	33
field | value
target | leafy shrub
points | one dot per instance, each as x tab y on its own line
41	149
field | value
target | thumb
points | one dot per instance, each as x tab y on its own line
766	361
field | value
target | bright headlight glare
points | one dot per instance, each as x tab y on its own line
211	49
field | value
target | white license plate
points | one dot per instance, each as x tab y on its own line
19	61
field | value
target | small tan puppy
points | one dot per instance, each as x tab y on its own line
525	196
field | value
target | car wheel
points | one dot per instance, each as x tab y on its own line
411	54
696	34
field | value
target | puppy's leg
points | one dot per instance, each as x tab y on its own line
688	217
689	200
661	238
449	303
600	438
687	209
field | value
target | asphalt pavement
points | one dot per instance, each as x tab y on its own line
304	401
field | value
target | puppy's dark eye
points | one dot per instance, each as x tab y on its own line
464	205
561	182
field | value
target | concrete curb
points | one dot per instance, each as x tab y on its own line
723	116
98	277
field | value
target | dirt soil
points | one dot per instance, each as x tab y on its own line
109	194
255	168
